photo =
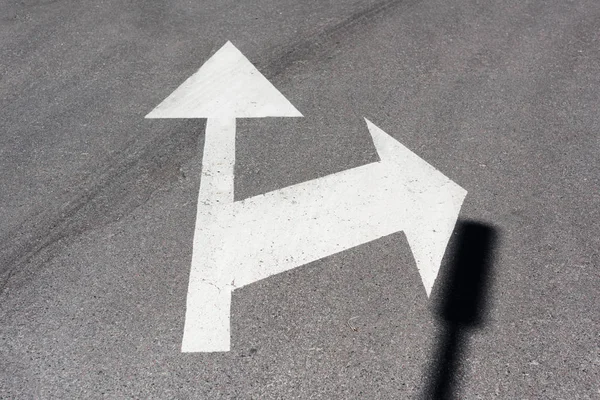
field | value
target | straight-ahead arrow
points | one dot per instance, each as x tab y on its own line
226	87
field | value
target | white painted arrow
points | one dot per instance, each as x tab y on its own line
238	243
226	87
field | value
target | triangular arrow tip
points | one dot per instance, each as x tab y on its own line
436	211
226	86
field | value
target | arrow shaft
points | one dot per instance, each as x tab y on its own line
243	242
218	162
237	243
281	230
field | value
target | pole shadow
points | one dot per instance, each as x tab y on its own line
461	306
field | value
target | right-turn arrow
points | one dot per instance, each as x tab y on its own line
242	242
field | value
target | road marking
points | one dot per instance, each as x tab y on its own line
238	243
227	86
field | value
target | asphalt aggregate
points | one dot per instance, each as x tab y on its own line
98	204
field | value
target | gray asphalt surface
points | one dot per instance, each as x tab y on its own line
98	204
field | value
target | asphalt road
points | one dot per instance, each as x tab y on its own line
98	204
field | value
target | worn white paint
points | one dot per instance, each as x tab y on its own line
238	243
242	242
227	86
218	161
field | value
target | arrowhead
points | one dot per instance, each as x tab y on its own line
435	207
226	86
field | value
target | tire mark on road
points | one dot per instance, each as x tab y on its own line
121	188
321	44
137	172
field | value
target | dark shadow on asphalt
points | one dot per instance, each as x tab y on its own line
462	304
